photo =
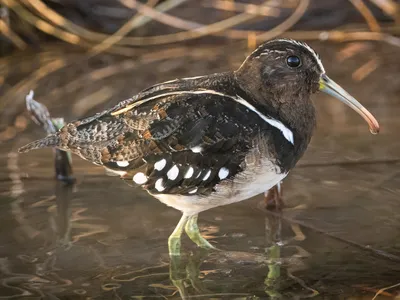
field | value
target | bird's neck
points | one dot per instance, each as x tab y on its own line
292	107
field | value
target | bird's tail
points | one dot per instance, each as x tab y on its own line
52	140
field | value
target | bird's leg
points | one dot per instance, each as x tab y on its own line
274	197
174	240
193	232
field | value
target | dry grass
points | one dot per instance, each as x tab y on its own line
37	14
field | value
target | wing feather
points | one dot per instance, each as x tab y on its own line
181	137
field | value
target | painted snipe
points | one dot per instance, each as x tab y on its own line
201	142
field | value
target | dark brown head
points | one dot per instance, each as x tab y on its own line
282	74
283	65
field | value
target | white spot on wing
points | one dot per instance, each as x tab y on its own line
196	149
223	173
287	133
173	173
260	175
123	163
140	178
159	165
159	185
193	191
207	175
189	173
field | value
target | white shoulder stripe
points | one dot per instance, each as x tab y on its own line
287	133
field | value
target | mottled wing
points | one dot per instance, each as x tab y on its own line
182	143
182	137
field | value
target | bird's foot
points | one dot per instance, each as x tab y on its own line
202	242
193	232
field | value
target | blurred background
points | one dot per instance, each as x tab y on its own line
98	238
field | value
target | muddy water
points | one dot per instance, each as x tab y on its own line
338	238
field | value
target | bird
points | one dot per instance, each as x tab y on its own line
202	142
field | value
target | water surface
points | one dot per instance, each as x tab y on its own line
338	238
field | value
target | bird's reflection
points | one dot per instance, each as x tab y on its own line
188	277
273	230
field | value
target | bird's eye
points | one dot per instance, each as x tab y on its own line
293	61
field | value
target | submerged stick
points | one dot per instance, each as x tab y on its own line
41	116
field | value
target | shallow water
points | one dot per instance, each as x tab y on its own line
338	238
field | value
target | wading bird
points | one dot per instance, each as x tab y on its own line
202	142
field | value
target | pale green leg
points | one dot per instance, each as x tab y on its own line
193	232
174	240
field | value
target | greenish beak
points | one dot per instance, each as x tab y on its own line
330	87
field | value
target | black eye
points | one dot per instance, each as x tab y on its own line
293	61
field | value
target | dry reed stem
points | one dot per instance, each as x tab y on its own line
79	32
112	43
96	37
11	35
90	101
17	62
251	41
31	82
60	21
385	289
142	41
154	14
189	25
366	69
370	289
288	23
390	7
367	15
211	29
350	50
215	28
251	9
125	66
133	23
100	74
343	36
40	24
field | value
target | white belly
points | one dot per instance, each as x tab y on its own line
260	175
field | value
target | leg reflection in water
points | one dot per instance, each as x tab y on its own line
273	230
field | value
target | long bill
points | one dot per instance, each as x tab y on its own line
330	87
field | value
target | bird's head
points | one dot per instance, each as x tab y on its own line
289	70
